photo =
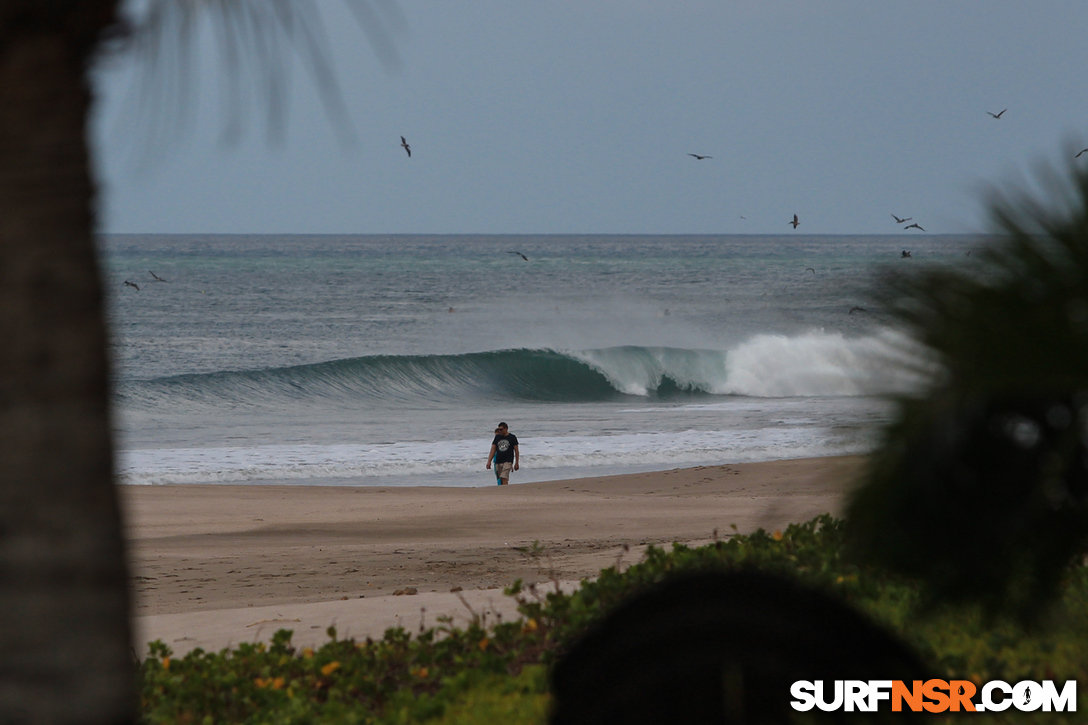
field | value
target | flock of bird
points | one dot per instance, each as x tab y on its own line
154	278
915	225
795	222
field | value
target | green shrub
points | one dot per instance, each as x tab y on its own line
485	675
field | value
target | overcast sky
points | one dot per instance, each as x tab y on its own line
576	116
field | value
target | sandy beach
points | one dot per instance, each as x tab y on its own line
214	565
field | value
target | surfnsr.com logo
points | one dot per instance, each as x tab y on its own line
932	696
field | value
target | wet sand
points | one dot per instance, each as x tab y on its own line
215	565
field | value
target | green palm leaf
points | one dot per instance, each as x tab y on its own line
252	44
980	488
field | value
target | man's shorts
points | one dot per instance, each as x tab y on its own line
502	470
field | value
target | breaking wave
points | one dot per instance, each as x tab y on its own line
814	364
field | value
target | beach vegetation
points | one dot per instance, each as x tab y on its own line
481	674
980	487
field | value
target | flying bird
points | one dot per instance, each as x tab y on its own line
157	277
519	254
700	158
132	284
997	115
855	309
915	225
810	269
1080	152
905	254
404	143
795	221
901	221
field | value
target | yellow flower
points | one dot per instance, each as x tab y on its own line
839	580
483	643
529	626
307	652
277	684
422	673
166	663
777	536
261	682
330	668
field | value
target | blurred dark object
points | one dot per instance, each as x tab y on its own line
718	647
983	500
980	488
63	581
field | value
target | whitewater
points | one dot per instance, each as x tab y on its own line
388	360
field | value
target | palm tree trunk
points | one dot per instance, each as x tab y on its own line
64	640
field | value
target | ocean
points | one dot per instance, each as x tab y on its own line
389	360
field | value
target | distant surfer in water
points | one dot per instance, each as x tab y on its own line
504	452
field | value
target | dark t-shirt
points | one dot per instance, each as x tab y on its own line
504	448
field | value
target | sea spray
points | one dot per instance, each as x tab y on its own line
821	363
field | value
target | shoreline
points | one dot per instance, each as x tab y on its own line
200	553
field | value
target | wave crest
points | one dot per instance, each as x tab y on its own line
819	363
814	364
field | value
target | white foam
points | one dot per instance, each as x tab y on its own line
820	363
816	363
464	459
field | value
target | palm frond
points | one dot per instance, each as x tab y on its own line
254	43
981	486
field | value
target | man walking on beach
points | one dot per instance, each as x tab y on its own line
505	453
